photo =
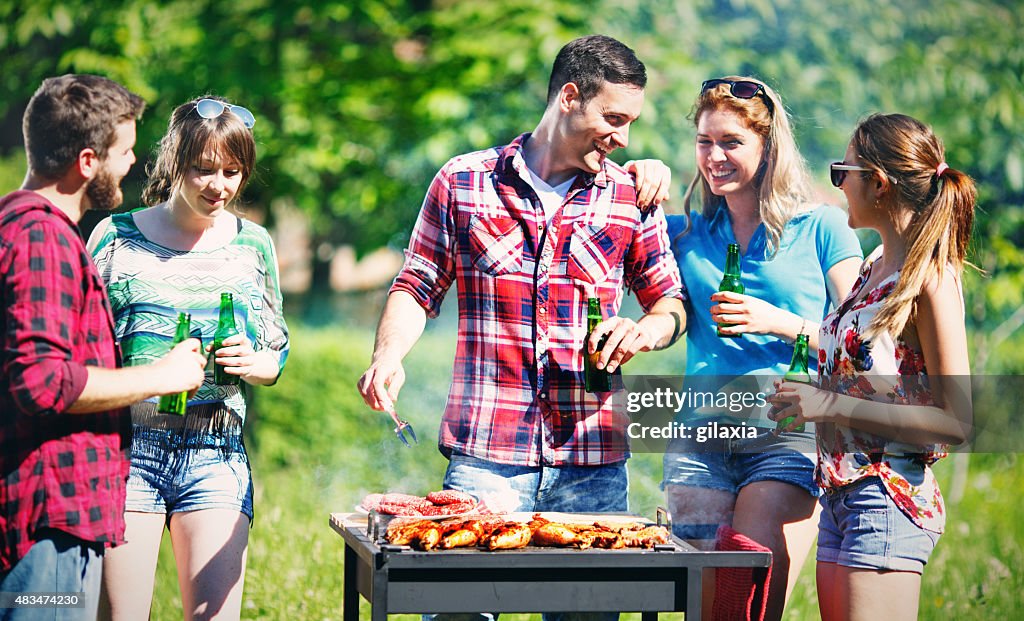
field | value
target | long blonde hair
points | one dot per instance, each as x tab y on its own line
783	183
940	199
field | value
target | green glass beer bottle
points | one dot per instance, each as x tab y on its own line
225	328
731	280
797	373
594	379
175	403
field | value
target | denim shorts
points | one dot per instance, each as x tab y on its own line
731	464
174	470
861	527
508	487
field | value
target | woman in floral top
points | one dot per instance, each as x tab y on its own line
892	361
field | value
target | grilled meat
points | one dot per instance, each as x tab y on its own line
494	533
462	538
450	496
646	537
554	534
604	539
509	536
421	534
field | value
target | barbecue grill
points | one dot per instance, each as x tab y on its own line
398	579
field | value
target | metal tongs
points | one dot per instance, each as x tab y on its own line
401	427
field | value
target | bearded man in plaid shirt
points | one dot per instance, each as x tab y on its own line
64	427
527	232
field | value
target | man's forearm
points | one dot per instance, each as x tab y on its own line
666	322
401	325
109	389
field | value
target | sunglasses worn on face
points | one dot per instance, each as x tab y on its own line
211	109
741	89
837	172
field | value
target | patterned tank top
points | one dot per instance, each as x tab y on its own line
885	369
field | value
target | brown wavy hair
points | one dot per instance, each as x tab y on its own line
909	153
188	137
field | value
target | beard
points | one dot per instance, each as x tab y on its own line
104	192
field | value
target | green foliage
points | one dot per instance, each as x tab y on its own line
358	104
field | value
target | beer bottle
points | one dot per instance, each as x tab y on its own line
797	373
225	328
731	280
594	379
175	403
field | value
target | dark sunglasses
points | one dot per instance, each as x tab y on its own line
211	109
741	89
837	172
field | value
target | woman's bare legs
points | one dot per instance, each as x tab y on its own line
779	516
210	549
850	594
129	570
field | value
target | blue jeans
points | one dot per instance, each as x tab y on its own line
510	488
56	563
507	488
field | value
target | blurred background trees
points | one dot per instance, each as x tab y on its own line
359	103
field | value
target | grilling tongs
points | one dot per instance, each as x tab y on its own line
402	428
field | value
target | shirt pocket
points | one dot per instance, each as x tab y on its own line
595	251
496	244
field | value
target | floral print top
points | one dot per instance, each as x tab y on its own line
885	369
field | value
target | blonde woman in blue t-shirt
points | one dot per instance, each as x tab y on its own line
796	257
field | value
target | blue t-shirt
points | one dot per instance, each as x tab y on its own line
793	280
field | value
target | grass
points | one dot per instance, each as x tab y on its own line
317	449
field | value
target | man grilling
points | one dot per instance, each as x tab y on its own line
528	231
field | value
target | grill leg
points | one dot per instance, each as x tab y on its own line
648	616
694	593
379	603
350	595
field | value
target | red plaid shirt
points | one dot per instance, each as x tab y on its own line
59	470
517	392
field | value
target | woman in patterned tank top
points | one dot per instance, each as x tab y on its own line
893	372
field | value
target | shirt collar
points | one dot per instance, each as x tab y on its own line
721	223
511	163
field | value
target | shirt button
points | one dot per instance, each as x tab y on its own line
543	395
543	311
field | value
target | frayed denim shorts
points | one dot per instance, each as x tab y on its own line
861	527
729	465
176	470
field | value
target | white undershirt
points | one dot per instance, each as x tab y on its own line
551	198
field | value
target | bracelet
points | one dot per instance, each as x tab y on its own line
803	327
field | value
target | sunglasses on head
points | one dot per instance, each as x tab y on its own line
211	109
741	89
837	172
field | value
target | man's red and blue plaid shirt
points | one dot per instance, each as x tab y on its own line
57	470
517	393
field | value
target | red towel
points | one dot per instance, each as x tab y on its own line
741	593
